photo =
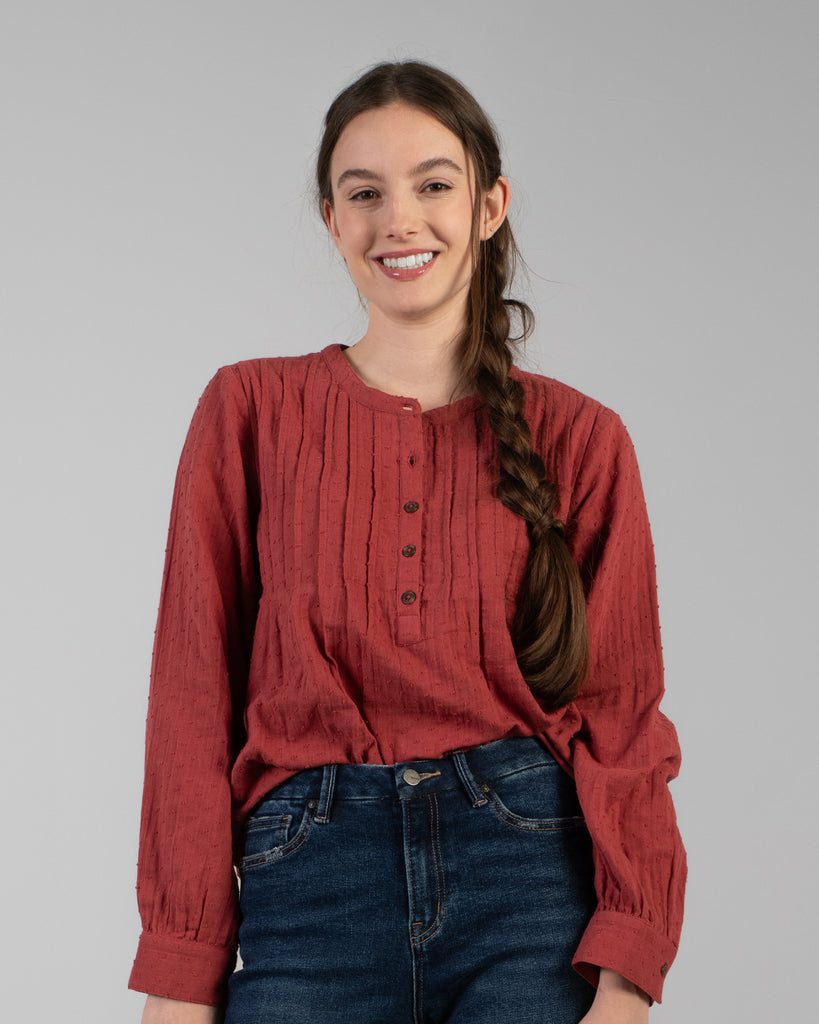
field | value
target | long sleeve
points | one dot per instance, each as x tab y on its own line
186	885
622	750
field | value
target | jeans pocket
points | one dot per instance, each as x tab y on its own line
276	830
540	798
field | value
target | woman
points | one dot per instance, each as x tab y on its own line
429	707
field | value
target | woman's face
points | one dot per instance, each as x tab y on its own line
402	213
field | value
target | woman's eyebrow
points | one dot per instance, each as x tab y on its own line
423	168
436	161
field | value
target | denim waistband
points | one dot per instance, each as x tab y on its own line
467	770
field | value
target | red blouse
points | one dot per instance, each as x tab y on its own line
338	586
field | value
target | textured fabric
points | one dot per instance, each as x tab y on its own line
393	894
338	587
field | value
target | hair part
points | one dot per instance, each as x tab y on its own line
549	628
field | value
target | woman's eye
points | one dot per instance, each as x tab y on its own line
437	186
364	194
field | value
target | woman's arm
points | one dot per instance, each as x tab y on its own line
172	1011
186	887
619	746
617	1001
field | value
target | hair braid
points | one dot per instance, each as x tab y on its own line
549	628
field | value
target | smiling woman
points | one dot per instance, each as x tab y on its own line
407	666
401	208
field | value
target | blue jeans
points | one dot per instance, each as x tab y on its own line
452	890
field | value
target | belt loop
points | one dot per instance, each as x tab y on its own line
468	779
328	785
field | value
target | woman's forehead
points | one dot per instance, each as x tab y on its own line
398	137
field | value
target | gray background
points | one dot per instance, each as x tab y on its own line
156	223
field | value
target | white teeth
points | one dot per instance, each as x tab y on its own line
408	262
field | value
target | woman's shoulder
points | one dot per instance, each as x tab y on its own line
584	443
557	408
260	381
264	369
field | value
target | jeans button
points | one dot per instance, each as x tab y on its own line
411	777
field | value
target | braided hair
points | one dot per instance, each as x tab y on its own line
549	627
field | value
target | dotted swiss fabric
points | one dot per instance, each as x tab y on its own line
338	586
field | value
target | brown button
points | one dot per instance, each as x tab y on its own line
664	970
411	506
408	596
408	550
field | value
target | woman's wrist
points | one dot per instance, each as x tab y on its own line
617	1001
611	981
159	1010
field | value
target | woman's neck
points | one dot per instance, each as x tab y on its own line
412	361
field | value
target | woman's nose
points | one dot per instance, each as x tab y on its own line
401	217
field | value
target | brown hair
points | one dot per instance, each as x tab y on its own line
549	628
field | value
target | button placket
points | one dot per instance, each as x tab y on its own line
408	583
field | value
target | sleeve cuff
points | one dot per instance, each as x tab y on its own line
193	972
627	945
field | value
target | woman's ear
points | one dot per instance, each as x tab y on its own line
330	220
495	206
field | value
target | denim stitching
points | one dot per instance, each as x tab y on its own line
259	823
269	858
418	1008
467	778
326	797
408	826
416	949
531	824
440	880
525	768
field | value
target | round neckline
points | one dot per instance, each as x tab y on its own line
345	376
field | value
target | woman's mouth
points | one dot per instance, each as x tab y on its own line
406	268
